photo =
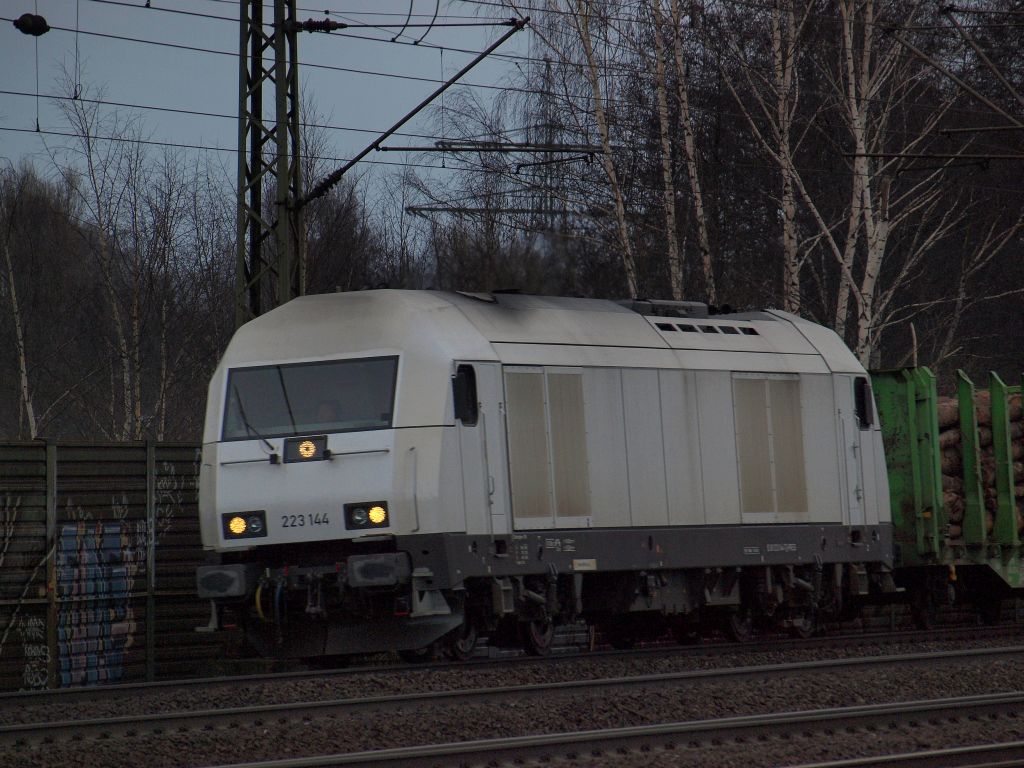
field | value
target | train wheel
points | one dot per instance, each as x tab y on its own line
462	641
740	625
538	636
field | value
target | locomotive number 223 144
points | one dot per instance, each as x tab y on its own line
301	521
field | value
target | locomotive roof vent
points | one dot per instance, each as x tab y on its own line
665	308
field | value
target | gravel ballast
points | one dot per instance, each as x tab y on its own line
460	721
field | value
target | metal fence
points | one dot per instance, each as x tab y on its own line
98	550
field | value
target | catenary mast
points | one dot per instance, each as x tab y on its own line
269	236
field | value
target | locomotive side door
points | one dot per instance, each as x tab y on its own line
482	447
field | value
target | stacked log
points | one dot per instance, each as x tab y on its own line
950	444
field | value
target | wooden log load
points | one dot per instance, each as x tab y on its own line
952	464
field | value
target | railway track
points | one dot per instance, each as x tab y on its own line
1003	755
158	723
845	642
607	745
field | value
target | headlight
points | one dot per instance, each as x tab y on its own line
244	525
367	514
297	449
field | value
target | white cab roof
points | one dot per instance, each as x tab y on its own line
521	329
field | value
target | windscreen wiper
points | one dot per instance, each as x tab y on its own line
287	402
250	428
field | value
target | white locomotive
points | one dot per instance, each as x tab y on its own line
396	469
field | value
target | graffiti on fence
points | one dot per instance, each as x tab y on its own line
169	497
173	492
100	561
8	517
32	631
97	564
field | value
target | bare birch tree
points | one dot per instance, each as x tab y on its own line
675	257
877	81
775	95
39	271
690	150
582	21
133	213
12	190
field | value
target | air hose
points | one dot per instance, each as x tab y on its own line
278	602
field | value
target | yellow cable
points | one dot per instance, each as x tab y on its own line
259	604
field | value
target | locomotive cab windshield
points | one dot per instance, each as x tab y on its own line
304	398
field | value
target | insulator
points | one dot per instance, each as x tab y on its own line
32	24
323	25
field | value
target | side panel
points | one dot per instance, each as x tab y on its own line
568	440
606	447
491	390
682	447
821	449
853	480
471	479
423	459
645	452
718	448
871	496
451	488
788	455
753	445
529	457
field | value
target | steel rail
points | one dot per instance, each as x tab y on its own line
18	699
48	732
563	745
1009	753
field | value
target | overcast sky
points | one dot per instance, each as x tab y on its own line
148	75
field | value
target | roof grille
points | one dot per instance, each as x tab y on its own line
663	308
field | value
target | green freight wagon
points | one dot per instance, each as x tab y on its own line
956	485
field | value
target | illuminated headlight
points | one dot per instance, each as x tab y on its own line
244	525
370	514
300	449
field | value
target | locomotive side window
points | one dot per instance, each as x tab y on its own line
467	406
862	402
305	398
